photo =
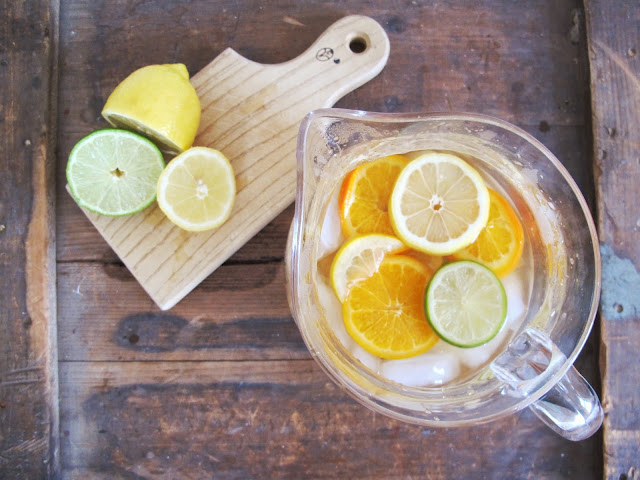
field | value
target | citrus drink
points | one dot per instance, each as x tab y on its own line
501	251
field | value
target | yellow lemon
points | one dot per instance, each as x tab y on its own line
159	102
439	204
196	191
360	258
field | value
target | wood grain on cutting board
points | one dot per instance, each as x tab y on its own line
250	112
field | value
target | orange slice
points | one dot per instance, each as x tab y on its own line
499	245
364	197
385	312
359	258
433	262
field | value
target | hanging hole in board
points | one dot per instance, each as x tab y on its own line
358	44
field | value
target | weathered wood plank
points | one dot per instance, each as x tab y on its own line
28	359
614	47
282	419
240	312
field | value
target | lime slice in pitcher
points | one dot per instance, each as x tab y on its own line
465	304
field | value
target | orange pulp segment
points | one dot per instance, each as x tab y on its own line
359	258
364	196
499	245
385	314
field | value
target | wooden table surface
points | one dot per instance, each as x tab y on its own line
97	382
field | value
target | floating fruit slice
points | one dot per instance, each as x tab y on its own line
439	204
499	245
466	304
385	312
364	197
114	172
360	258
433	262
159	102
197	189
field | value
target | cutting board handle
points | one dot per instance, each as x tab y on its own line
233	89
348	54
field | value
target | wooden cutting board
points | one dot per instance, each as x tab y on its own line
250	112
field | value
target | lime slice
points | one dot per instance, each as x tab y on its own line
114	172
465	304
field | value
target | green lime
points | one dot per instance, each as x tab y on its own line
465	304
114	172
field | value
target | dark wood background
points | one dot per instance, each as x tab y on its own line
96	382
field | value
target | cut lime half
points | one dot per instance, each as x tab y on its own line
114	172
465	304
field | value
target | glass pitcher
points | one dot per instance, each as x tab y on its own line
533	367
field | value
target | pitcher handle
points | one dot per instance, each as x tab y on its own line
571	407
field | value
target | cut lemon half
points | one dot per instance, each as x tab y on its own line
364	196
197	189
360	258
384	313
159	102
499	245
466	304
439	204
114	172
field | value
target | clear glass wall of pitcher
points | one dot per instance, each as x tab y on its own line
531	364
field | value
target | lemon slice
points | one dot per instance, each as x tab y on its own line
114	172
385	314
466	304
197	189
158	102
359	259
439	204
